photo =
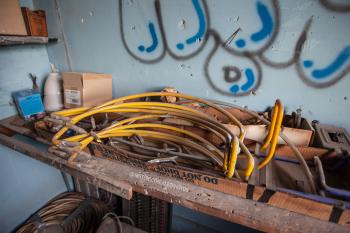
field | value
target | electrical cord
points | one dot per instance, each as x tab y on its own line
141	111
297	153
117	220
196	143
71	212
331	190
273	133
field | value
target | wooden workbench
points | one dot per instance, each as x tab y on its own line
122	180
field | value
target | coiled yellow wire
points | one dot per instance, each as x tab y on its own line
273	134
126	128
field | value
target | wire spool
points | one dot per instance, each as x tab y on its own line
67	213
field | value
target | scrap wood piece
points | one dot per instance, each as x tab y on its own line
300	137
345	218
239	114
301	205
6	131
256	133
169	99
307	152
177	121
16	124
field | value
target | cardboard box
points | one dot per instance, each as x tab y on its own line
86	89
11	19
29	104
35	22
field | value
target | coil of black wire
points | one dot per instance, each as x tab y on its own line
67	213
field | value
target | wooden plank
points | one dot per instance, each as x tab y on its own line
238	189
20	40
345	218
9	123
218	183
15	124
6	131
200	178
240	115
118	178
307	152
257	133
301	205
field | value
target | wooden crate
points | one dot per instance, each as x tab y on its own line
35	22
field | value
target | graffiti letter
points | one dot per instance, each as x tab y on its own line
154	44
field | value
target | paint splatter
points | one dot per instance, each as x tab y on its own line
240	43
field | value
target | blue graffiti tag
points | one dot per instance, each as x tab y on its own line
308	63
234	89
180	46
247	85
338	62
202	26
240	43
250	79
266	22
154	44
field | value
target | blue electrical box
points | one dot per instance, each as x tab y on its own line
29	104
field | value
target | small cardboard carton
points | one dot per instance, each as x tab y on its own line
11	19
86	89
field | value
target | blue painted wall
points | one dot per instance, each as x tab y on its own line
16	62
25	184
294	50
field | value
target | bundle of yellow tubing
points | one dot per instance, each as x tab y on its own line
273	134
128	127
